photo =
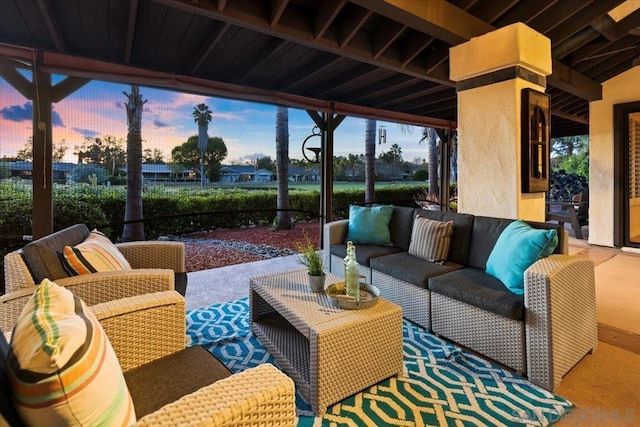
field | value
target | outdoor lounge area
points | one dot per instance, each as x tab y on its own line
97	332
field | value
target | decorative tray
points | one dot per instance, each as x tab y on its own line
337	292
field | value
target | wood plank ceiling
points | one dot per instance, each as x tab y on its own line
386	56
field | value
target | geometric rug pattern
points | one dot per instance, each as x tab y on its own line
442	385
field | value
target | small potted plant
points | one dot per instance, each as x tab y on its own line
310	258
427	200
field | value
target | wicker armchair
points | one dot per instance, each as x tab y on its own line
156	266
144	329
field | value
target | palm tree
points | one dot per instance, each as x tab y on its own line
431	137
369	161
202	116
133	206
282	167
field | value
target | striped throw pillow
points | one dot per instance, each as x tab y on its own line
430	239
95	254
61	366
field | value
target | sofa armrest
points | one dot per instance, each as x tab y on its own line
16	272
11	305
560	310
154	254
258	396
96	288
334	233
144	327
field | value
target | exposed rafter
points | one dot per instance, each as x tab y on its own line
131	30
52	25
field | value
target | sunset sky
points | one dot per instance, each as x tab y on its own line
247	128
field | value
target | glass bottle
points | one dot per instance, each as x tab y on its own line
351	273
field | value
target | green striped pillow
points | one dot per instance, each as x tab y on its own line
430	239
62	368
95	254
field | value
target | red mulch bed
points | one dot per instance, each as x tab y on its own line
202	256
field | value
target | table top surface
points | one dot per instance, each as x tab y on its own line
290	294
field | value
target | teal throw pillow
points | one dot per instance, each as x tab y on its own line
370	225
517	248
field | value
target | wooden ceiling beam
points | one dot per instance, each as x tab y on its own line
612	30
525	12
417	94
348	80
252	19
276	10
207	47
325	15
489	11
573	118
560	13
131	30
385	35
66	87
581	20
575	42
413	45
351	24
52	25
383	87
220	5
9	71
312	71
273	48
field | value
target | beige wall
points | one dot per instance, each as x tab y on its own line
489	179
623	88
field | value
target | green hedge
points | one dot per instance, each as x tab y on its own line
178	211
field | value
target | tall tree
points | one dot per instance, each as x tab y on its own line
202	116
282	167
133	207
106	151
431	137
188	156
369	161
26	153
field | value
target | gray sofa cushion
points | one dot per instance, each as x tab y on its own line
486	231
462	225
41	256
474	287
411	269
364	253
400	226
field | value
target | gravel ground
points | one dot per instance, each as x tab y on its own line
222	247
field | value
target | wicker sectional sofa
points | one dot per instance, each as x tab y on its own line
541	334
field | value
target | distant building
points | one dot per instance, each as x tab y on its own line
299	174
244	173
24	169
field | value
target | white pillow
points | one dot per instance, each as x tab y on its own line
430	239
62	368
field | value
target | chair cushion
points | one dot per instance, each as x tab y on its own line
430	240
474	287
62	367
400	226
411	269
41	256
517	248
95	254
165	380
369	225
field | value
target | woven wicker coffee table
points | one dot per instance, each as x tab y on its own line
330	353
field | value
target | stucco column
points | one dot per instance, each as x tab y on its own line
490	71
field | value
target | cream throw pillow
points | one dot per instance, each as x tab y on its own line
95	254
62	368
430	239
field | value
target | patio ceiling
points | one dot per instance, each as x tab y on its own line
386	59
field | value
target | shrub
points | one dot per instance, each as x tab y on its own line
89	174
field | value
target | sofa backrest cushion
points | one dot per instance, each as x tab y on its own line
41	255
487	230
462	224
400	226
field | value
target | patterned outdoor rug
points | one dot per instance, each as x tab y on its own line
442	385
